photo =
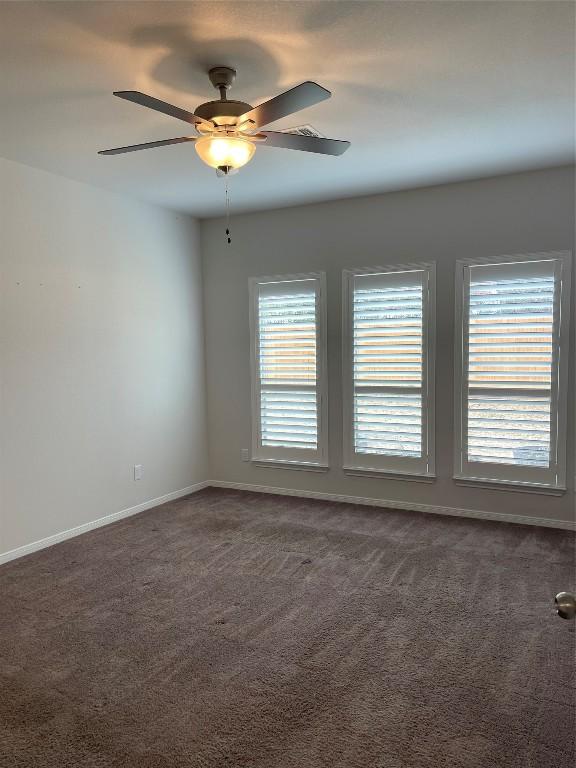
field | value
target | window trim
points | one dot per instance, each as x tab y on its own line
511	477
276	457
399	468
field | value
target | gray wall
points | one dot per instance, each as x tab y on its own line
519	213
101	354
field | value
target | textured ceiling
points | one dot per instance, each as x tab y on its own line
426	92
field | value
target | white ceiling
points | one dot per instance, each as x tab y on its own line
425	91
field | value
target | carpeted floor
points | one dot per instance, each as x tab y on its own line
233	629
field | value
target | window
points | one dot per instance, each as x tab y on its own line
388	370
288	332
511	370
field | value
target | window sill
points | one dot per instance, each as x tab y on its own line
305	466
509	485
389	475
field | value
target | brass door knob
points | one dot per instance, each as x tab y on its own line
565	605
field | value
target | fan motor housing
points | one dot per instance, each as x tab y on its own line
222	108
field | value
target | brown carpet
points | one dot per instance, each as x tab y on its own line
233	629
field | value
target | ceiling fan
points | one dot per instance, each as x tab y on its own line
228	131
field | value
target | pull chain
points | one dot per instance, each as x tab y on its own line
228	213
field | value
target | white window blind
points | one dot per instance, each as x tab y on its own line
511	395
288	342
388	361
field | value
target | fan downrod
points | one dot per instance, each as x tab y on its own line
225	109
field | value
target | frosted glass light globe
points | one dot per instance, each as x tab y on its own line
224	151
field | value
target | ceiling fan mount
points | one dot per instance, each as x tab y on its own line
222	77
227	131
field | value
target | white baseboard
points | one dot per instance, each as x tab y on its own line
408	506
27	549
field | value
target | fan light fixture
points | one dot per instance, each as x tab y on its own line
228	129
231	152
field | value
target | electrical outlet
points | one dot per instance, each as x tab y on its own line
245	454
138	471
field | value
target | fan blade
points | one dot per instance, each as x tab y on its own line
305	143
149	145
301	96
160	106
